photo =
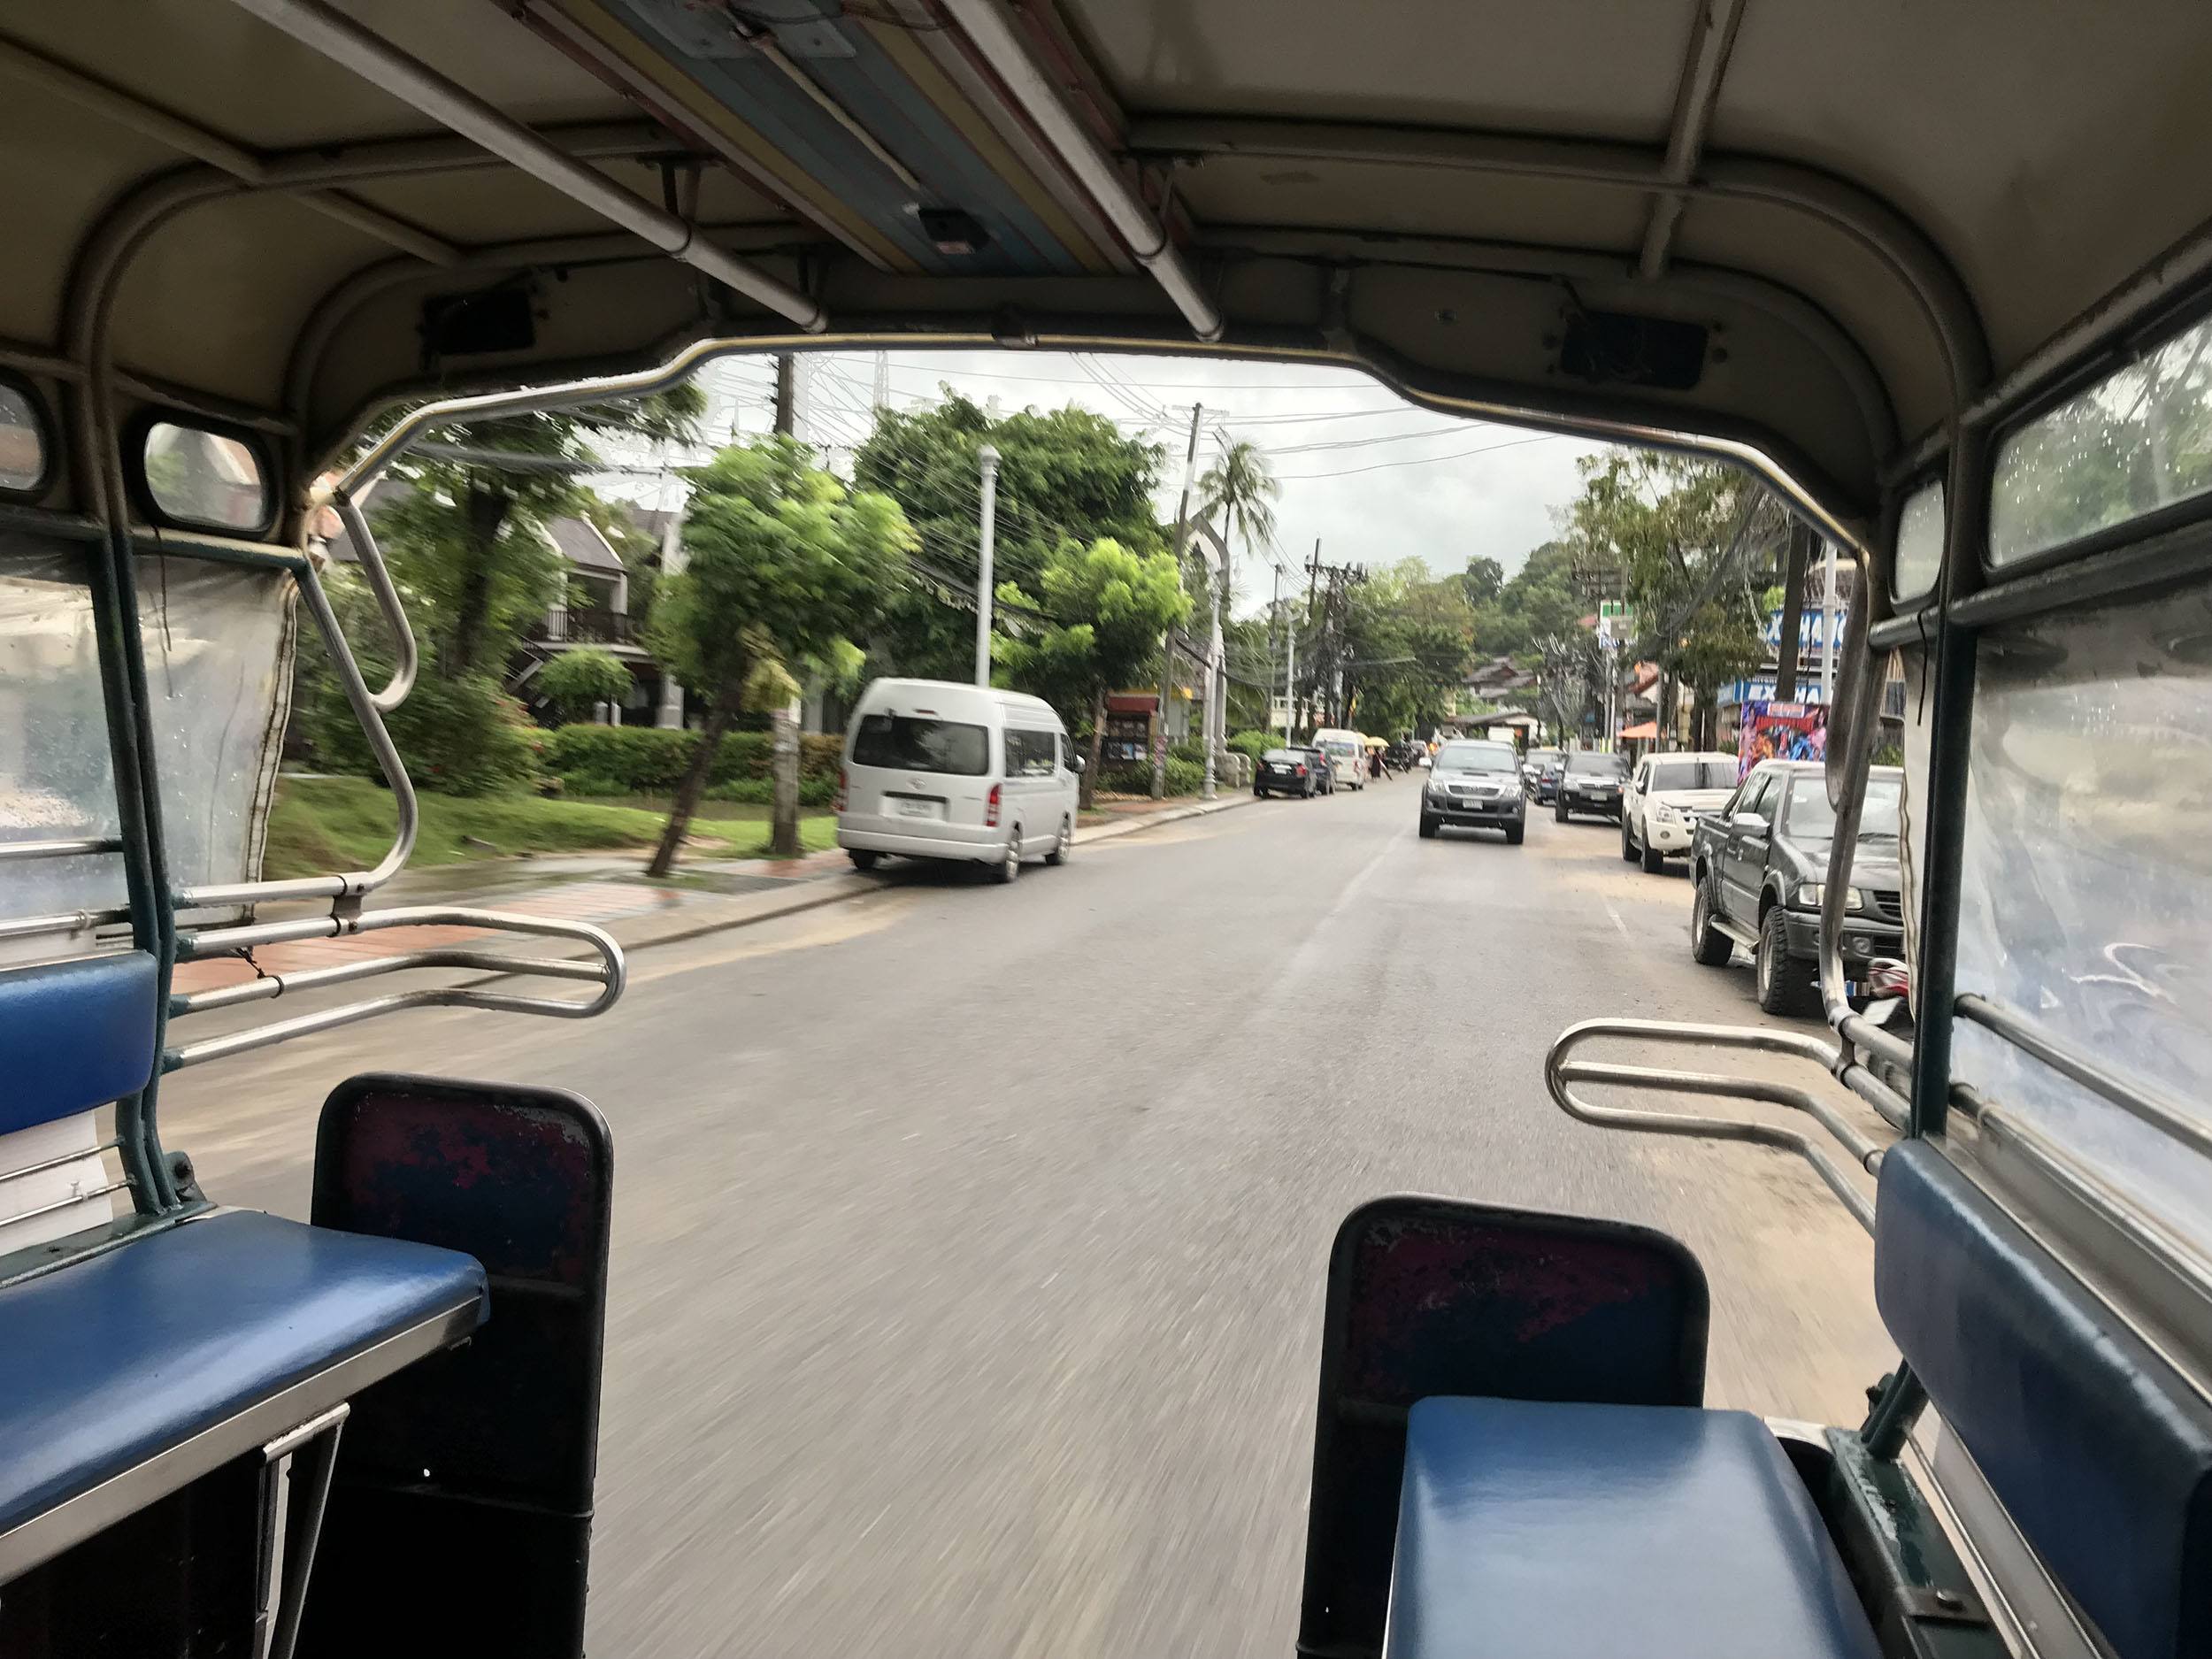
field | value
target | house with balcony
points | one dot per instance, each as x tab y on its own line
592	608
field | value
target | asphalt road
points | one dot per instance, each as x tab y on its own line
970	1240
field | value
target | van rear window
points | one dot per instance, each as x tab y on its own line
907	744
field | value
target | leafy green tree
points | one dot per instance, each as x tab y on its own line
469	537
1406	638
1105	609
1484	580
576	682
783	565
1668	523
1068	474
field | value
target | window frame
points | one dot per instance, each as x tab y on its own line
141	489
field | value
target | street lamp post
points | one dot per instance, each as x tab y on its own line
986	457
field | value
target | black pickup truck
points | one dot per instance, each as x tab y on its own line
1759	862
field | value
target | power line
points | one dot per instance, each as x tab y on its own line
1423	460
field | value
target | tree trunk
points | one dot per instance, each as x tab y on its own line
783	838
486	514
720	713
1086	791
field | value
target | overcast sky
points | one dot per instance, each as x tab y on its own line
1374	478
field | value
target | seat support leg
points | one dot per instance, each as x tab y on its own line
297	1466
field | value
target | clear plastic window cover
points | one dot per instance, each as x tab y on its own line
218	641
22	443
2086	899
1919	542
200	476
2139	440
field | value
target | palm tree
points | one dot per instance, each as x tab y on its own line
1237	493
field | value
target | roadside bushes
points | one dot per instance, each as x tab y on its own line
456	736
1252	745
646	760
1184	777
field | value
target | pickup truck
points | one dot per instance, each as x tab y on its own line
1758	862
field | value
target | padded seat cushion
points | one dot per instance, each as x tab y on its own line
1532	1530
74	1035
112	1359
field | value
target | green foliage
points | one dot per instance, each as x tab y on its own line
1107	608
1238	492
1066	475
1406	638
320	824
1539	601
467	541
783	565
456	736
576	682
597	760
1184	777
1254	744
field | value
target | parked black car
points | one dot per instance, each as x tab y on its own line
1540	774
1284	772
1320	767
1759	863
1590	782
1475	784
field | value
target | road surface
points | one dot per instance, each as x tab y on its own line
969	1240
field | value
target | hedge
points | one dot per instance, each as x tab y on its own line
649	760
1184	777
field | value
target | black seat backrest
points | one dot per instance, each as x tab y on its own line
2099	1450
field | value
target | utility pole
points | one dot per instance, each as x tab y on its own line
1800	550
783	837
986	457
1290	660
1167	648
1216	662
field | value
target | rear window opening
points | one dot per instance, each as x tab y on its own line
902	743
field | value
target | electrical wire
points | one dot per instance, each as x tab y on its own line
1423	460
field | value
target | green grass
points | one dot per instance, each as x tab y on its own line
321	824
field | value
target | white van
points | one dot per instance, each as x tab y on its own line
935	769
1347	755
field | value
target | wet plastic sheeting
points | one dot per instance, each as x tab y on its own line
2086	892
218	641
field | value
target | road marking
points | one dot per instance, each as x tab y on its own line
1615	915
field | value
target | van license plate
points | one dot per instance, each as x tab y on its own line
907	806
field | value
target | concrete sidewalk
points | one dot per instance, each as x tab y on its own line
611	891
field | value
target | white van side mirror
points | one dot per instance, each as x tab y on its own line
1075	763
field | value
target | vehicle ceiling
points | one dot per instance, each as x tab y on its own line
1875	210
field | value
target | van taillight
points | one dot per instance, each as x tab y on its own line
843	779
990	809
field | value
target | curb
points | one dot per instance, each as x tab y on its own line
826	890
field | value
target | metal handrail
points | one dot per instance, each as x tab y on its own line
1560	1072
364	704
387	601
60	849
611	973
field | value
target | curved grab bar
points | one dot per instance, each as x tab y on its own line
611	973
1560	1072
407	814
387	601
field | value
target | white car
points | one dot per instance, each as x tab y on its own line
1347	755
1662	794
935	769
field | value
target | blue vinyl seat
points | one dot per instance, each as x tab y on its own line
1535	1530
125	1375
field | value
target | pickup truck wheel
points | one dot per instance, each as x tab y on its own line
1710	948
1559	811
1513	833
1655	861
1428	828
1784	988
1628	850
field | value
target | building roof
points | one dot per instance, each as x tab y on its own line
581	545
